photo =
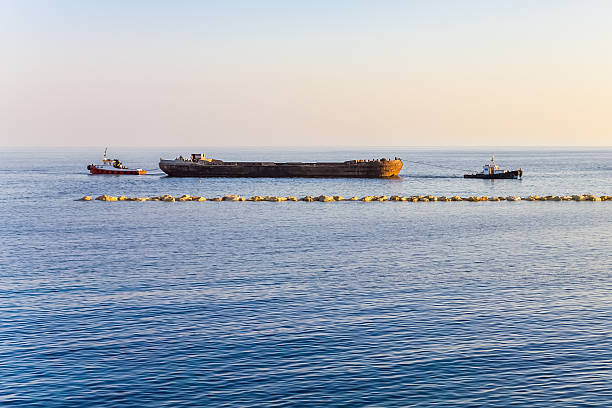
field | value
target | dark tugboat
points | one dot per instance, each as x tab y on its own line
199	166
492	171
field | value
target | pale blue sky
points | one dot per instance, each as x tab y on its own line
362	73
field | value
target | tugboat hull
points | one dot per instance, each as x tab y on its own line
217	168
96	170
513	174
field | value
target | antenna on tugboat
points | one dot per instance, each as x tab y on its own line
105	149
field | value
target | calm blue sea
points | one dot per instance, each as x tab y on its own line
152	304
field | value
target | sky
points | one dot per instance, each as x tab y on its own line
305	73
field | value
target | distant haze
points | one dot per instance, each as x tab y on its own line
309	73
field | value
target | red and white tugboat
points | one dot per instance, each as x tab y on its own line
112	166
492	171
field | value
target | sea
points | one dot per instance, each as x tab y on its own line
297	304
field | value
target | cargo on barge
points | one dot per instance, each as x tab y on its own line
199	166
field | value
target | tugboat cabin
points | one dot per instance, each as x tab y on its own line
491	168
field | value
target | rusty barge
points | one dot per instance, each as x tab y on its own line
199	166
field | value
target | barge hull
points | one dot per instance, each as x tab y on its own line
370	169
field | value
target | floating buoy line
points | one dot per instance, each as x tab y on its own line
335	198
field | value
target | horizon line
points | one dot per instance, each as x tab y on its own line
312	146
